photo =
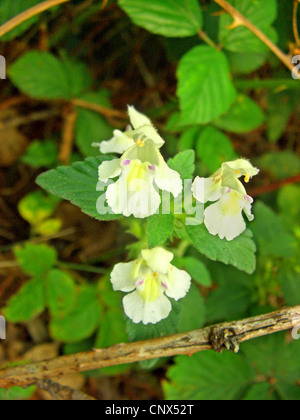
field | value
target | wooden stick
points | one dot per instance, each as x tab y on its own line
218	337
27	14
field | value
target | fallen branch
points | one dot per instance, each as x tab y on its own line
240	20
218	337
27	14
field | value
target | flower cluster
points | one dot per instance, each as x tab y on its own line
150	279
140	168
136	178
224	218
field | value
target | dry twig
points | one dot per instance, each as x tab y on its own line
27	14
240	20
218	337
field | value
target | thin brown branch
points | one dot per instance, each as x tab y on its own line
240	20
68	135
27	14
218	337
107	112
295	23
274	186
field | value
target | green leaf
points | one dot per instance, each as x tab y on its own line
290	285
183	163
273	357
213	147
61	293
245	63
41	154
160	227
36	260
189	318
205	88
171	18
281	105
82	321
197	270
92	127
270	234
289	204
208	376
231	300
16	393
37	207
260	392
78	184
240	252
28	303
43	76
281	164
9	9
244	116
261	13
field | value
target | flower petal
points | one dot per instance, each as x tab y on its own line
167	179
224	218
148	312
123	276
158	259
109	169
118	144
207	189
143	126
178	283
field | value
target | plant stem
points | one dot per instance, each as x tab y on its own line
281	84
206	39
241	20
27	14
218	337
295	25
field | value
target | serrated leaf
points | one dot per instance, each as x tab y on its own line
160	227
82	321
240	252
213	147
183	163
36	260
260	392
244	116
78	184
171	18
208	376
205	88
262	13
61	293
28	303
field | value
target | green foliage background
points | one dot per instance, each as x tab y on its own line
219	100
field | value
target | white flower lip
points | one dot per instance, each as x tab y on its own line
151	279
224	218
